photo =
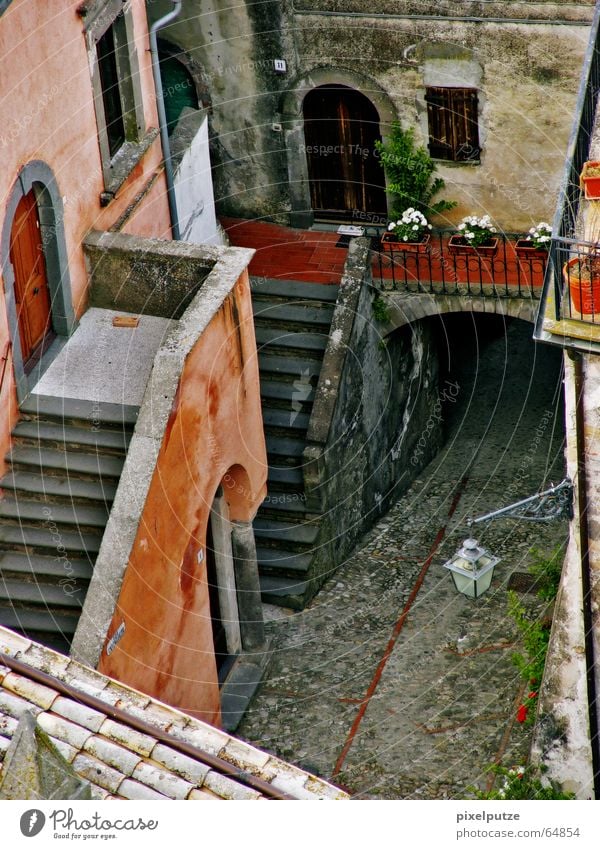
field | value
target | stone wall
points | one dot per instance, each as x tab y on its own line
562	740
374	424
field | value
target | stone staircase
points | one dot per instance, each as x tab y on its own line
62	474
292	322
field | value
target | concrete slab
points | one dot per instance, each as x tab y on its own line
103	363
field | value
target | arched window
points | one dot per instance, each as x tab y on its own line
178	87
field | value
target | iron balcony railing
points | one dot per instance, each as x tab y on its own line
573	261
441	267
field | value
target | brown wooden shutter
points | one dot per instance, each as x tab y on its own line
453	125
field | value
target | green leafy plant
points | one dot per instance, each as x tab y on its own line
522	782
547	569
381	310
410	173
535	635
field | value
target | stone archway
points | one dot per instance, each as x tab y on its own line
38	178
292	111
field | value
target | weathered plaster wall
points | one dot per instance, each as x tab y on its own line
200	425
47	114
373	428
236	45
562	740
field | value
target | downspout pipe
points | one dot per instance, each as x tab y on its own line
586	581
162	118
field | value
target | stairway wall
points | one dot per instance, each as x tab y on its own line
373	426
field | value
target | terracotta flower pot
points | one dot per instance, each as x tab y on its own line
389	242
459	245
590	183
585	294
525	250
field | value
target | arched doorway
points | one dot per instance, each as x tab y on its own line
32	295
341	126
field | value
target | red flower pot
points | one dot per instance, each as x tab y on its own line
389	242
525	250
585	294
590	183
459	245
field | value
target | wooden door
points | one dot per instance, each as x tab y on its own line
340	127
32	295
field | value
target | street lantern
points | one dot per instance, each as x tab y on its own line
472	568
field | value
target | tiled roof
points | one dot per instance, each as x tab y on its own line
121	762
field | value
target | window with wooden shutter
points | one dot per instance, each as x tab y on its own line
453	127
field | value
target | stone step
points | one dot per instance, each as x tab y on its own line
285	419
304	313
80	515
283	501
18	563
285	391
275	532
44	621
284	446
290	340
275	559
288	476
50	487
71	462
326	293
90	438
303	369
31	593
83	413
47	538
283	591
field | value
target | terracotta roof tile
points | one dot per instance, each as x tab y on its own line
119	761
112	754
134	790
98	772
61	728
227	788
162	781
129	737
78	713
15	705
183	766
30	690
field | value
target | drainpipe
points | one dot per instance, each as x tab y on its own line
162	118
586	582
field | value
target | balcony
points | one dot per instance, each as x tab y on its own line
569	313
440	268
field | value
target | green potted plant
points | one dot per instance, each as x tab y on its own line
582	277
475	236
536	243
409	233
589	180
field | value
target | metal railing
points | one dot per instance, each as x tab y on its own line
442	267
573	292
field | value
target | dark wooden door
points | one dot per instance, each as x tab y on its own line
32	295
340	127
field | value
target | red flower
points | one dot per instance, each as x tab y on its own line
532	695
521	713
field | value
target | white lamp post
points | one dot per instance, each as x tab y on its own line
472	568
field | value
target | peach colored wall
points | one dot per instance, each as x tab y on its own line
215	424
47	113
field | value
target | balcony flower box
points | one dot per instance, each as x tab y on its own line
590	180
389	242
582	277
525	250
459	245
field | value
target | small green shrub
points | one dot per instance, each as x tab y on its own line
522	783
381	310
547	569
535	635
409	170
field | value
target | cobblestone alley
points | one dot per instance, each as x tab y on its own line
393	704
